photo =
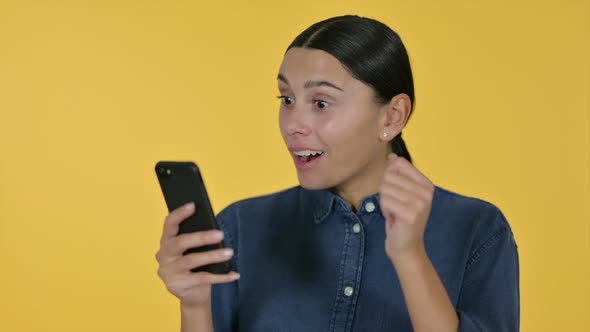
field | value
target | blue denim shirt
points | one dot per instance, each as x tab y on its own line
308	263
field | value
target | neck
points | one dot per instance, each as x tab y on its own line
362	184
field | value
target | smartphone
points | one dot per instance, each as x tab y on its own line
181	183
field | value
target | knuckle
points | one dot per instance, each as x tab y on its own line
201	278
187	264
171	288
175	242
431	190
428	195
161	273
386	190
389	178
177	287
420	204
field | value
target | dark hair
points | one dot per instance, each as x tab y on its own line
371	52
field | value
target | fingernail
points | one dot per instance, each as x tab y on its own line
234	275
228	252
190	206
218	235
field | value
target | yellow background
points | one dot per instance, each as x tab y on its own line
92	94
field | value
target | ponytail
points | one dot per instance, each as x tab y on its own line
399	147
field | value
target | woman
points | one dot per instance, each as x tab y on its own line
366	242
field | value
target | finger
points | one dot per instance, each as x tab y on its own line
387	209
183	242
206	278
396	190
406	168
195	260
182	285
396	178
175	218
390	205
424	189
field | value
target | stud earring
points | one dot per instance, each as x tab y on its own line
385	135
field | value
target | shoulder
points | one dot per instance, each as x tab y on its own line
474	220
470	208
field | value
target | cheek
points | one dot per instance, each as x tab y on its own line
347	132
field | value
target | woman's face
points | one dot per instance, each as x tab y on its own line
329	121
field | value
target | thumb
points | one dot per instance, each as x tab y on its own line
389	219
391	159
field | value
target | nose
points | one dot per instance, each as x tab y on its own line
297	122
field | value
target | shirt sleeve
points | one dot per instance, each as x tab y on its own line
490	296
224	297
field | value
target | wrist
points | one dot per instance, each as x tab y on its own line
196	318
194	309
412	258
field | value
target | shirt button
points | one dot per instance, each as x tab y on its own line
348	291
356	228
370	207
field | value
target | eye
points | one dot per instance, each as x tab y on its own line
321	104
286	100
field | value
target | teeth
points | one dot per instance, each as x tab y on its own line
307	153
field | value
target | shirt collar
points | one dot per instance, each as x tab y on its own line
324	201
321	202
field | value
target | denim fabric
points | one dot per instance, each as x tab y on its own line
308	263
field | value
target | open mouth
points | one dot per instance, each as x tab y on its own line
308	155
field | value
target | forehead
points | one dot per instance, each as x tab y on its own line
302	64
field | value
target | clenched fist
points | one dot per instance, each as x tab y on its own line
406	200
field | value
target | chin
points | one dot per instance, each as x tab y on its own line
313	183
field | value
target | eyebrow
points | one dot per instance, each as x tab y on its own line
312	84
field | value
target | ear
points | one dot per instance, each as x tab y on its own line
394	116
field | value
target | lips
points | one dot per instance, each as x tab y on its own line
306	158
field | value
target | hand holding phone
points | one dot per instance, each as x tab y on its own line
181	183
191	240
